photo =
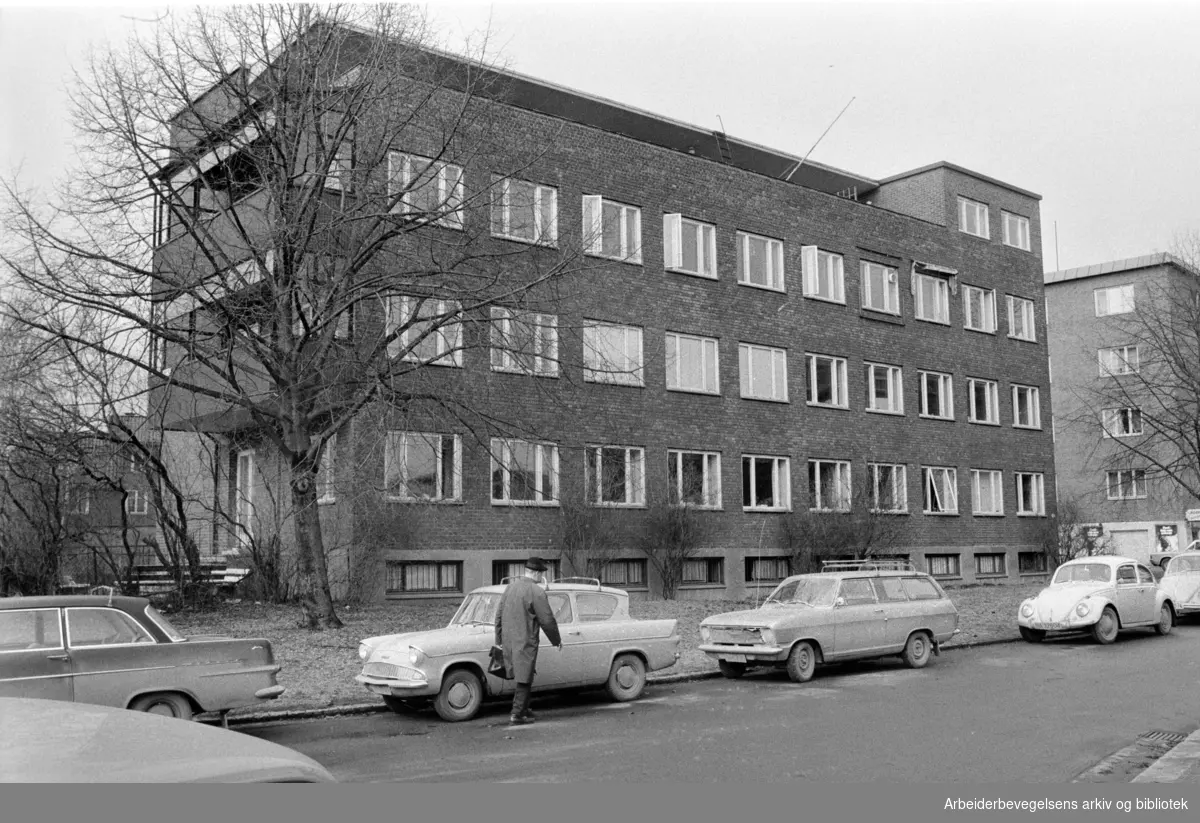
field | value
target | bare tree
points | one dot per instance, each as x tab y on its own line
1067	536
269	229
859	532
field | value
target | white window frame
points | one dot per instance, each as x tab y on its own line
772	275
837	368
1023	308
447	177
1137	484
898	483
545	200
1119	356
630	218
395	462
136	502
244	509
447	339
710	357
748	356
945	394
710	481
635	476
326	472
991	410
598	368
842	491
893	402
889	280
979	309
705	242
1036	482
938	482
1029	398
1016	230
781	480
1112	300
972	211
824	274
544	362
543	453
994	505
940	311
1120	422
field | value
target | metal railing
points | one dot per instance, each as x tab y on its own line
867	564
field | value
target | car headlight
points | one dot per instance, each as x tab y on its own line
1027	609
767	637
415	656
1082	609
364	651
705	634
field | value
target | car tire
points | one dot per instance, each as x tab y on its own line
1166	619
1032	635
802	662
460	697
166	704
626	678
731	669
1104	630
918	650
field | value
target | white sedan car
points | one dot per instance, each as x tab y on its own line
1103	595
1181	582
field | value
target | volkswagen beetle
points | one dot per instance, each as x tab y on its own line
1181	582
1101	595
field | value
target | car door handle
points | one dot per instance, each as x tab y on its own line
574	634
58	657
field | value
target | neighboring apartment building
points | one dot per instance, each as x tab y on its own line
789	337
1103	358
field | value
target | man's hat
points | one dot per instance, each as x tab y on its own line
536	564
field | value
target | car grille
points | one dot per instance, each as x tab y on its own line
737	636
389	671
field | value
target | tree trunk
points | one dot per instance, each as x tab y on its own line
316	597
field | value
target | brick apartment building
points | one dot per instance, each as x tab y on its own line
789	337
1102	359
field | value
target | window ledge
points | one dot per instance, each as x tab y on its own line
524	504
784	401
826	406
932	417
525	242
695	391
764	510
980	331
891	512
1022	339
761	287
687	273
424	501
987	514
991	575
941	514
1034	574
701	585
1027	428
1029	514
821	299
437	362
982	423
945	323
880	316
524	373
885	411
618	383
616	505
627	260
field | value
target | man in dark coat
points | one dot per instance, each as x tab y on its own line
524	612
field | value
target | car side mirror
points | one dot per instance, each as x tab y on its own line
841	601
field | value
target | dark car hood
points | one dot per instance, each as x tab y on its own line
51	741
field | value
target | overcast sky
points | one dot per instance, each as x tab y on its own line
1091	105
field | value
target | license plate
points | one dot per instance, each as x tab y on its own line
1053	626
734	658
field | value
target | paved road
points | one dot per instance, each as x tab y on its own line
1014	712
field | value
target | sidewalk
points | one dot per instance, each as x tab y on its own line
1179	765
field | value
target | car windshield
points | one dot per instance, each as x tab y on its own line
804	591
170	631
1179	565
477	608
1083	573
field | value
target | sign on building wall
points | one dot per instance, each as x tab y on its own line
1093	532
1168	537
1192	515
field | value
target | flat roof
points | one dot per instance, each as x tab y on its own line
944	164
1116	267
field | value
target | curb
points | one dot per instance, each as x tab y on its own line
376	708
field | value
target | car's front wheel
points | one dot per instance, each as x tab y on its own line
1105	629
166	704
918	650
1166	619
460	697
802	662
626	678
731	669
1032	635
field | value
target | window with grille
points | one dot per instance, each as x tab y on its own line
424	576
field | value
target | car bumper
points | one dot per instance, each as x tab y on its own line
270	692
1072	623
398	688
743	654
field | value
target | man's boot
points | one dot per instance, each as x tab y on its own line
520	706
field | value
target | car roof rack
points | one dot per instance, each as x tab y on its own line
871	564
590	581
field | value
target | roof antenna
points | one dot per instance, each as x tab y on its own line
800	162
